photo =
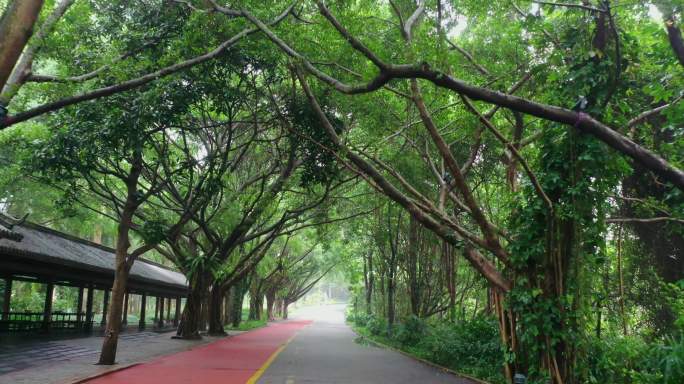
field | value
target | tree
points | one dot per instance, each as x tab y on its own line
120	164
169	15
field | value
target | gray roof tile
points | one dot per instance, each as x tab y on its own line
61	248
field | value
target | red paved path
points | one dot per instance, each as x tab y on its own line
229	361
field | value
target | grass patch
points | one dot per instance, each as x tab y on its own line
247	325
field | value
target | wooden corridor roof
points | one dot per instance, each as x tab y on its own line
46	252
7	233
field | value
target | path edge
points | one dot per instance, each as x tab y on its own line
419	359
104	373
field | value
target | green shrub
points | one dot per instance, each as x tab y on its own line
668	359
376	326
616	359
411	331
631	360
472	347
359	319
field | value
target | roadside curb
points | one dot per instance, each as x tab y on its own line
104	373
426	362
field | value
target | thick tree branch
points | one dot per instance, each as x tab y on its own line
580	121
134	83
479	262
16	27
23	67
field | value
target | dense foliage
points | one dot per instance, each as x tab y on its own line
500	183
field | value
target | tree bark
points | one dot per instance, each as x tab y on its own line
255	297
279	307
227	306
215	310
122	268
237	295
204	311
369	279
412	268
270	302
16	27
286	304
621	279
23	67
675	37
390	300
122	262
189	326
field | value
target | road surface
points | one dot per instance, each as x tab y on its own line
326	352
315	347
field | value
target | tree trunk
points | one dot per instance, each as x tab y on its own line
412	267
621	281
111	335
252	308
286	304
270	301
507	333
451	267
228	306
259	307
122	268
16	27
369	280
25	63
189	326
254	296
279	307
675	37
204	311
390	301
215	310
237	300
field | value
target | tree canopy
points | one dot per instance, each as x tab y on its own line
509	171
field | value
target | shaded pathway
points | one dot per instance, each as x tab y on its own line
326	352
230	360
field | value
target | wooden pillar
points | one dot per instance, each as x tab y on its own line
7	298
156	310
89	309
168	309
105	306
79	308
161	312
47	307
178	311
124	320
143	303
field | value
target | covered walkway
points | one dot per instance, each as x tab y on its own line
37	254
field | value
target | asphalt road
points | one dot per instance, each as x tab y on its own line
325	353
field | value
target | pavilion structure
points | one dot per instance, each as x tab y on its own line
34	253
